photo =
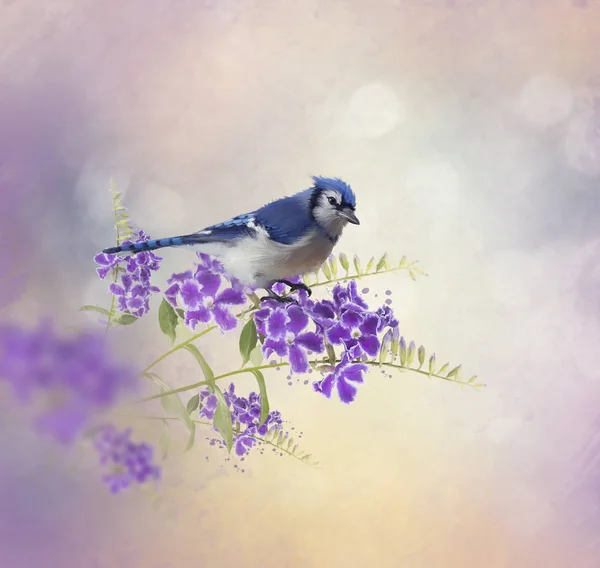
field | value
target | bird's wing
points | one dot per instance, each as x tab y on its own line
234	228
286	220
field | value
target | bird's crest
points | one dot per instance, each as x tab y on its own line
337	184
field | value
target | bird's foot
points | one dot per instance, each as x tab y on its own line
296	286
278	298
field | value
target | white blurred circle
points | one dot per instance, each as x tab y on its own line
545	100
158	209
372	111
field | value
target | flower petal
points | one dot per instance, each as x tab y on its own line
191	294
351	319
346	390
180	277
224	318
353	372
275	346
209	281
311	341
370	344
325	386
171	294
230	296
298	319
337	334
116	289
275	325
370	324
298	359
243	444
200	315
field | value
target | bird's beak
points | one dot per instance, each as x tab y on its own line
348	214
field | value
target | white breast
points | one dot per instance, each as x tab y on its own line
261	261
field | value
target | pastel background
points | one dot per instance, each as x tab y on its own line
470	131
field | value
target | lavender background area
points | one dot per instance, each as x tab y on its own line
470	131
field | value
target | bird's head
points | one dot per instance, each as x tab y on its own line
332	204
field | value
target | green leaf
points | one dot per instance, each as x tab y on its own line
167	319
385	345
421	356
412	274
411	353
331	353
382	264
256	356
472	380
248	340
454	372
124	319
172	405
89	308
370	265
208	372
357	265
402	351
264	400
443	368
402	262
395	347
180	313
432	364
165	440
333	262
222	419
193	403
192	438
326	271
344	262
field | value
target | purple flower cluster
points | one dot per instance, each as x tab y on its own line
126	461
134	288
245	417
344	321
206	294
72	377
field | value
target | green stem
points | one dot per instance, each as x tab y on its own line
419	371
217	378
177	348
284	364
188	341
357	276
111	312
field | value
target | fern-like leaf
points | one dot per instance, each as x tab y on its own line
330	269
282	441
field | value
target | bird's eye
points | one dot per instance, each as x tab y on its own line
332	200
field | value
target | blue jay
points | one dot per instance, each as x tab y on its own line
287	237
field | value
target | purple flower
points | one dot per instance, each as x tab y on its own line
346	376
73	376
357	331
286	335
386	318
245	418
348	298
203	298
127	462
134	288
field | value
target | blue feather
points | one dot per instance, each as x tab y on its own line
288	219
337	184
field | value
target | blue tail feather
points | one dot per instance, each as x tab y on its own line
156	244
